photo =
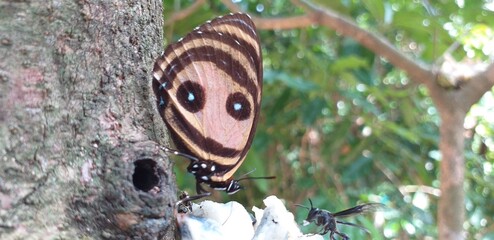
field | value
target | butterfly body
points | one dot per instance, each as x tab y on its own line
208	87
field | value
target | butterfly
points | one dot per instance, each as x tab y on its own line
329	220
208	89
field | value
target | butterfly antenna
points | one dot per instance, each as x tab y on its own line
269	177
175	152
244	177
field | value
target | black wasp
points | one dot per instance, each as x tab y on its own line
329	220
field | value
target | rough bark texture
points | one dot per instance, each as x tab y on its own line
78	150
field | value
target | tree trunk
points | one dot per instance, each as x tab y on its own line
79	130
451	212
452	108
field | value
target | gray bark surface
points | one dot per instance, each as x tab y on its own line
79	132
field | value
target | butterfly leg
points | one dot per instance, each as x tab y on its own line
178	153
199	189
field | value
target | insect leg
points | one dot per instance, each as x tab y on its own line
327	228
184	204
200	189
342	235
331	235
353	225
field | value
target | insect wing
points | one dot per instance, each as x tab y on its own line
208	87
359	209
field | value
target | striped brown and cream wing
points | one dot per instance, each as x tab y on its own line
208	88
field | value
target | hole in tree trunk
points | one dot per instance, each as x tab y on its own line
145	175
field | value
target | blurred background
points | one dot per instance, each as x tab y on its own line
342	126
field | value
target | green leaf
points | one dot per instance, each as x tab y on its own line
376	8
313	110
356	168
403	132
348	63
294	82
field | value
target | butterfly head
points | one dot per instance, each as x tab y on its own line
233	187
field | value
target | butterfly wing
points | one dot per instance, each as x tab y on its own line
208	87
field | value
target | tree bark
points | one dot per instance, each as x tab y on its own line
79	156
451	212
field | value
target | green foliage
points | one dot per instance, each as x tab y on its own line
341	125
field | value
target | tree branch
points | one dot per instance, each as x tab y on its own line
231	6
274	23
418	72
283	22
478	84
